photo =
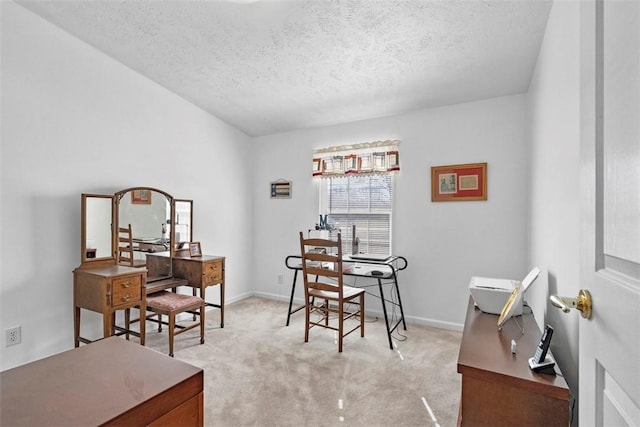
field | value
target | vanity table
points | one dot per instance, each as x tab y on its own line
104	283
200	272
106	290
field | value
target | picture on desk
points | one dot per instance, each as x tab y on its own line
194	249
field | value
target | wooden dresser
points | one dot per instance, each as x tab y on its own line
498	387
106	290
112	382
201	272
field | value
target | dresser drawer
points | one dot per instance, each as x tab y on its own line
126	290
212	273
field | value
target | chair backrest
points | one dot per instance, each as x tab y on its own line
322	259
125	246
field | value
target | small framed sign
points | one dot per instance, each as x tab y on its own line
281	189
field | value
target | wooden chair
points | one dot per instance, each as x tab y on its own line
323	259
125	248
172	304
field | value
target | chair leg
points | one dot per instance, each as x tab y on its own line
194	294
326	312
340	325
127	321
307	310
159	322
362	314
172	326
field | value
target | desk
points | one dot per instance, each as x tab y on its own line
362	268
110	382
498	387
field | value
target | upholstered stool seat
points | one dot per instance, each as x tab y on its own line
172	304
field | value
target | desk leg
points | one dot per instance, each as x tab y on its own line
384	310
293	290
76	327
222	305
210	304
395	282
107	323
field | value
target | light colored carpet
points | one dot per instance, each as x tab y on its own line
259	372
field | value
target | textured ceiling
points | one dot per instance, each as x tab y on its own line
273	66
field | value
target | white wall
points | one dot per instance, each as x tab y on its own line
75	121
445	243
554	98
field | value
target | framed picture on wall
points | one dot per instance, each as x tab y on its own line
456	183
194	249
281	189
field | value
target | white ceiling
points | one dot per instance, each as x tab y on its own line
272	66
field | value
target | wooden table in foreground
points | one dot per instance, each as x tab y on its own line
109	382
498	387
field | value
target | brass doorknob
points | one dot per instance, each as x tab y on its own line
581	303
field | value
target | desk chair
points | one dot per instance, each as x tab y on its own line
125	248
323	259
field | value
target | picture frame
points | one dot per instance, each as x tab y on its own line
281	189
195	249
141	197
457	183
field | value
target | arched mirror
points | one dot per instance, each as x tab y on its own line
148	212
96	231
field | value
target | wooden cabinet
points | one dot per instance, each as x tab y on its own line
202	272
498	387
111	382
105	290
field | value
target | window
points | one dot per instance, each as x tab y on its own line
365	201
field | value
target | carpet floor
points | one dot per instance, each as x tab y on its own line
259	372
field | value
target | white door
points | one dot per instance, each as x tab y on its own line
610	213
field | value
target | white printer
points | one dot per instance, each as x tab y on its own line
490	295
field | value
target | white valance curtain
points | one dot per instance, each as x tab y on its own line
378	157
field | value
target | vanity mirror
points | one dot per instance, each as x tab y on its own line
148	211
96	235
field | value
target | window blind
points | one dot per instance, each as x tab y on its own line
364	201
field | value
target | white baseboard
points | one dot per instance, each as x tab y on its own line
374	313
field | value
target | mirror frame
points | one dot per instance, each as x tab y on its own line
120	194
115	199
102	261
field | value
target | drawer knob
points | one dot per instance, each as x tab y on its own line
126	298
126	284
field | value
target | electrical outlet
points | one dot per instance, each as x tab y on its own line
280	279
13	336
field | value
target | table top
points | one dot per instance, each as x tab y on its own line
90	385
200	258
112	270
485	352
378	269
